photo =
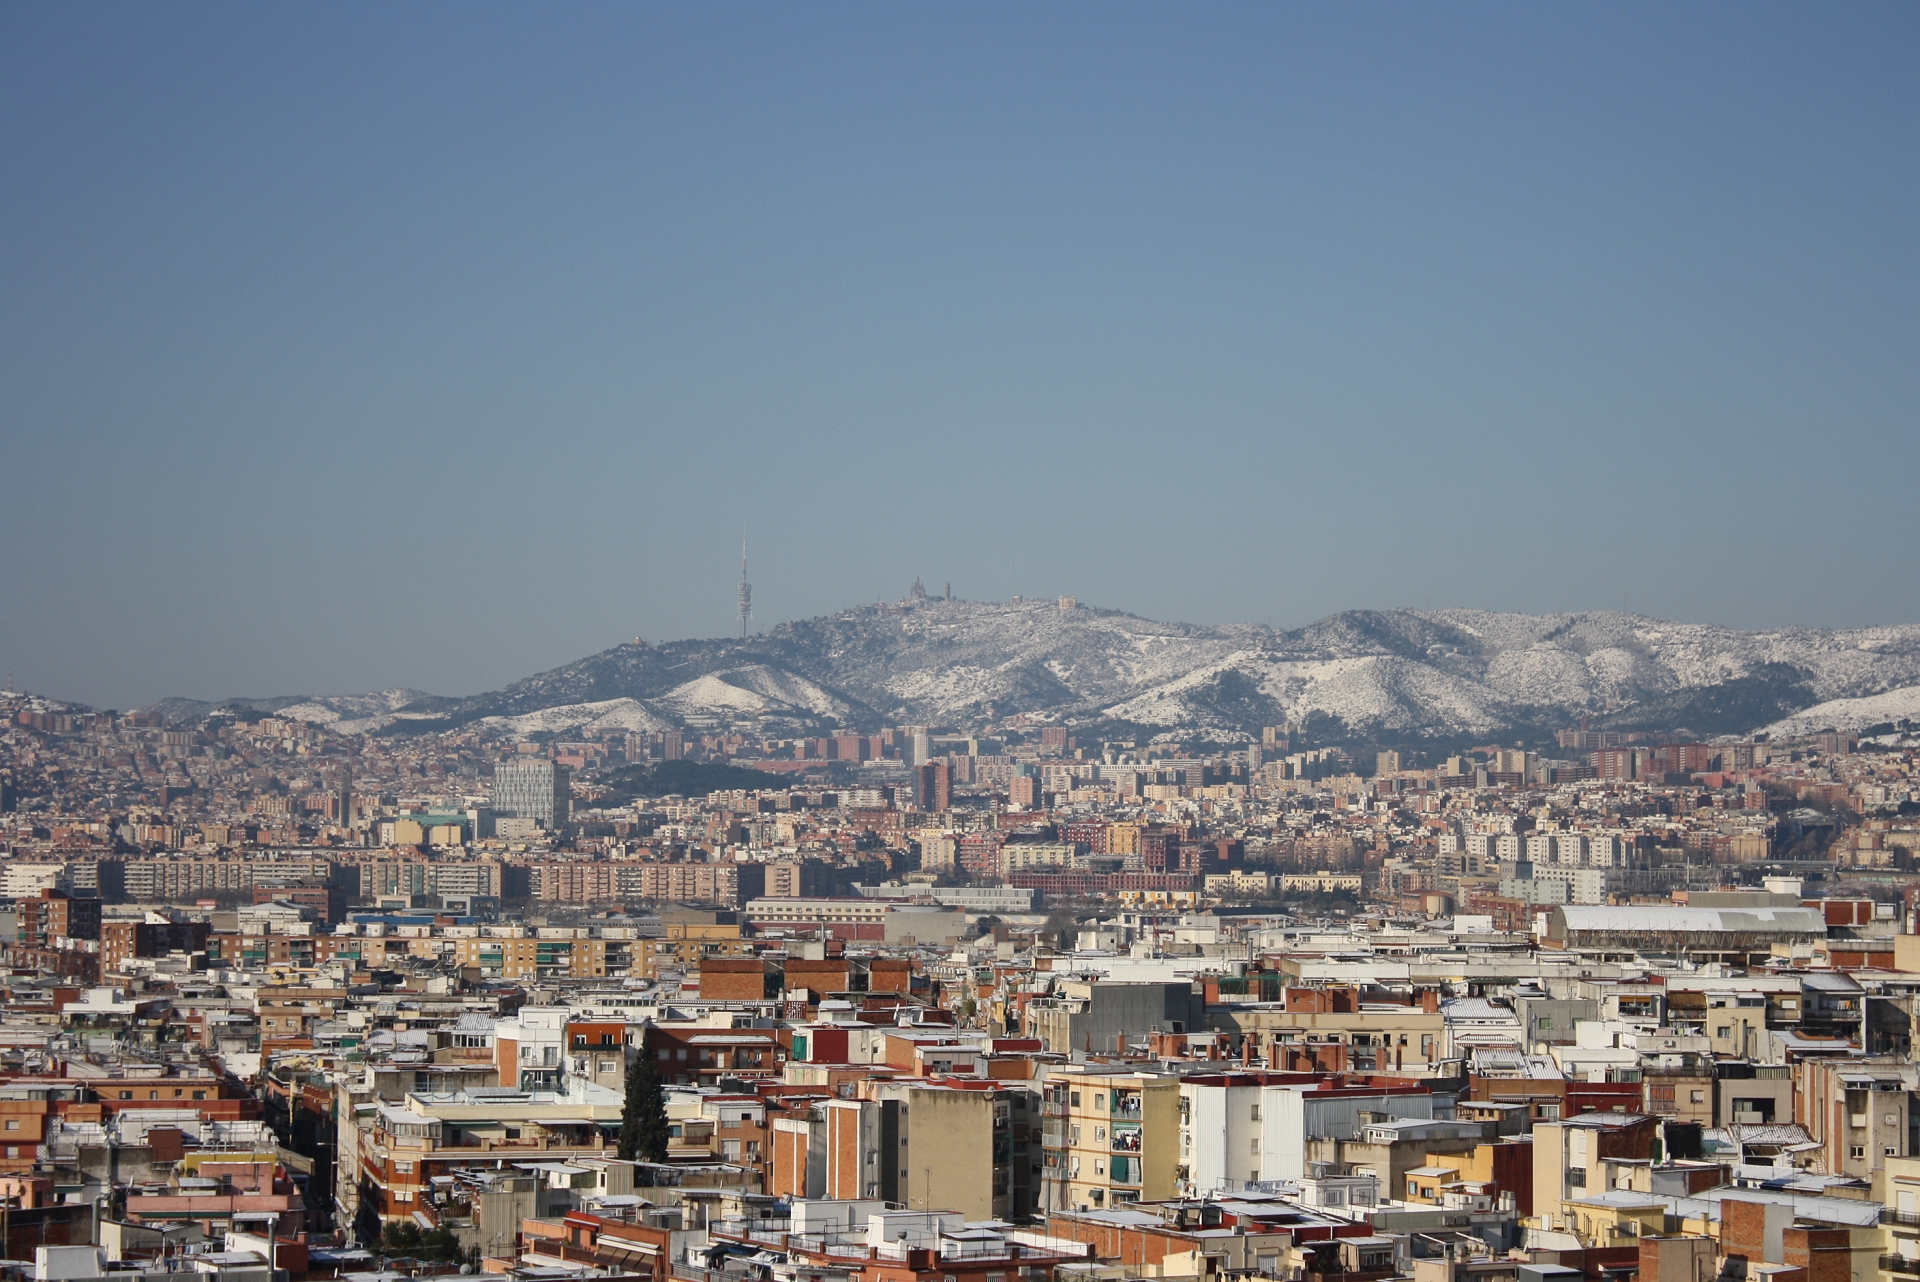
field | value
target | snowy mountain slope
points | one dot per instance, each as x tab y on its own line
608	714
755	690
351	713
1852	714
1381	672
347	713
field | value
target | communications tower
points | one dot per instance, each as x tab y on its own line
746	589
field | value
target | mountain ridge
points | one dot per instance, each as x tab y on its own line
1395	674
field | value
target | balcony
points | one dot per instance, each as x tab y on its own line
1900	1264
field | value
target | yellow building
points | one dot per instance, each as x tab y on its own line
1615	1217
1111	1138
533	958
1239	882
1160	898
651	956
1896	1186
1381	1039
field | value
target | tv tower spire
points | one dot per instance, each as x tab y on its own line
746	588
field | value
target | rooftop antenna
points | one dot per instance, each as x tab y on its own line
746	588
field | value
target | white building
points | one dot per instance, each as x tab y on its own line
531	1047
1237	1129
26	881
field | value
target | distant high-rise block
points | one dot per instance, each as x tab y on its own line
530	788
932	789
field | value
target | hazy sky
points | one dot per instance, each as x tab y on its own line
345	347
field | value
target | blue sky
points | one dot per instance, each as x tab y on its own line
354	346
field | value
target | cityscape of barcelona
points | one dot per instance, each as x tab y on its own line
649	642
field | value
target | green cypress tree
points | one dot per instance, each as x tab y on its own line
628	1146
643	1119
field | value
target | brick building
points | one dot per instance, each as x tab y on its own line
56	915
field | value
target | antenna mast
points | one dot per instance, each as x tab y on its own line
746	588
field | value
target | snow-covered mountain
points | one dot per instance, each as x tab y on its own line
346	713
1891	708
1389	674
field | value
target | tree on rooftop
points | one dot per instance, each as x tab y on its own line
643	1120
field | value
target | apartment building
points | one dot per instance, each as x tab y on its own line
54	915
571	954
963	1145
1109	1139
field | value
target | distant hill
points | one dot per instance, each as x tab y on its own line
1391	675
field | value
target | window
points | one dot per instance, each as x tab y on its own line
1891	1151
1074	1099
126	1094
13	1123
1577	1177
199	1094
403	1195
1722	1031
1858	1150
1699	1097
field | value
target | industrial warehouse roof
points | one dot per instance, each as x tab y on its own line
1642	918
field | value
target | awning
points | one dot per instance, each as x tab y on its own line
626	1246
